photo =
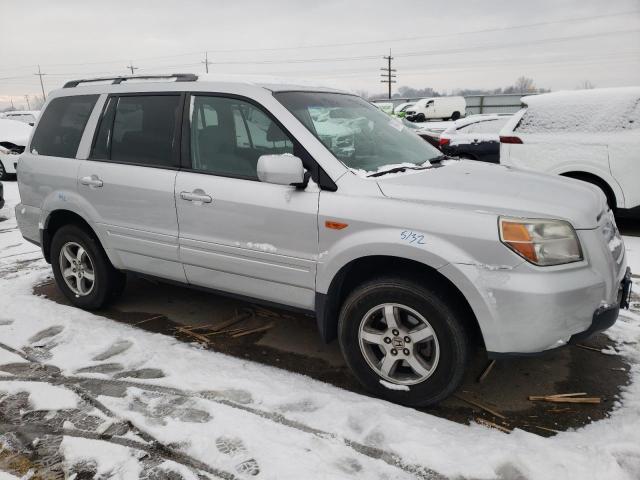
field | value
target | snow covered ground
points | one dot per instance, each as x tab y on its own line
92	395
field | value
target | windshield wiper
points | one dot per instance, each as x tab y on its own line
440	158
395	170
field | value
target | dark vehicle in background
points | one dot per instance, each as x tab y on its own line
475	137
429	131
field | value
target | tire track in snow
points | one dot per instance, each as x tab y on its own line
74	382
154	446
151	449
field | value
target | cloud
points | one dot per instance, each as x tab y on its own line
73	39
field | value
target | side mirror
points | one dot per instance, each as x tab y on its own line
285	169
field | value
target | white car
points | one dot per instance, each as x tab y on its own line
590	135
26	116
13	138
386	107
445	108
402	108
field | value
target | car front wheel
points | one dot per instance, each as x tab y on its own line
403	341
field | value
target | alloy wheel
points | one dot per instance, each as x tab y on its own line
77	269
399	344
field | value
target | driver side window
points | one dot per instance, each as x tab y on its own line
229	135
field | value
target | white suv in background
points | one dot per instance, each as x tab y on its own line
590	135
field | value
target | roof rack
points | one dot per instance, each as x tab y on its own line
180	77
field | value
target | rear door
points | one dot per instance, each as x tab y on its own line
129	181
237	234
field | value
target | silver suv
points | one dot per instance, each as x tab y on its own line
407	257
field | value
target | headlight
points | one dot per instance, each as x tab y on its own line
541	242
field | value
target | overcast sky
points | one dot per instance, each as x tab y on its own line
444	45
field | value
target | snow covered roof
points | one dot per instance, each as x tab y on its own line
582	111
584	97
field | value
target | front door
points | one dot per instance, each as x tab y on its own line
237	234
129	182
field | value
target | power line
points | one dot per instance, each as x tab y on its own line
366	42
340	59
390	73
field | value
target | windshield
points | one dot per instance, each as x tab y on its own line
357	133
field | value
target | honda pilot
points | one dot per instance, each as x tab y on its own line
408	258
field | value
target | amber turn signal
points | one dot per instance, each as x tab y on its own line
517	237
335	225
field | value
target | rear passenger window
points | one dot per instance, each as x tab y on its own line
229	135
486	126
61	126
139	130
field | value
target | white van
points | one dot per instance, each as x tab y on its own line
437	107
590	135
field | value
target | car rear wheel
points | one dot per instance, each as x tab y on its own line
403	342
3	172
455	116
82	269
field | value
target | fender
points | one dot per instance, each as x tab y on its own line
432	253
435	252
73	202
604	175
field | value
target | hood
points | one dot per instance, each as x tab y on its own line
500	190
15	132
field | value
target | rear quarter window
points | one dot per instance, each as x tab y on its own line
60	129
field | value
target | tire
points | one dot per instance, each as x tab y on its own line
3	173
450	335
108	283
455	116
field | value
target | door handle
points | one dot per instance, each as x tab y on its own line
92	181
196	196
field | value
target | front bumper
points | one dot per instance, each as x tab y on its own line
528	310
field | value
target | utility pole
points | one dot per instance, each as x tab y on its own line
389	73
26	97
206	61
12	107
40	74
131	67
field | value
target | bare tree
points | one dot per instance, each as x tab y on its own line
586	85
524	85
37	102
